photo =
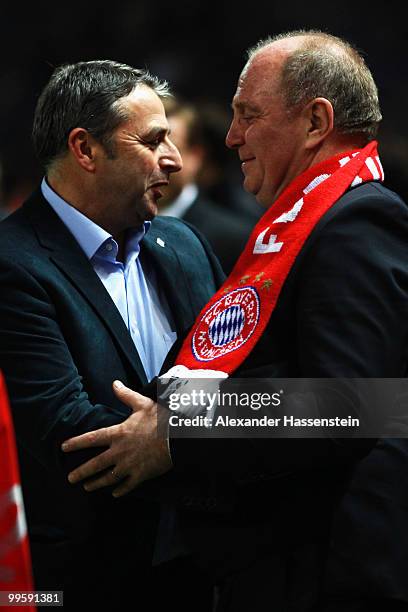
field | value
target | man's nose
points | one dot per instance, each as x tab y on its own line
234	138
172	160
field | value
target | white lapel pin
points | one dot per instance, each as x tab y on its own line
160	242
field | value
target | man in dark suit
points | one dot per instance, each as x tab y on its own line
93	290
325	288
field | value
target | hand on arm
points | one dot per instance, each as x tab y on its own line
137	451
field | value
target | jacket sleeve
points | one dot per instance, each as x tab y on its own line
49	402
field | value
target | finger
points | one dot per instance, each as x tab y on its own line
109	479
131	398
100	437
127	486
91	467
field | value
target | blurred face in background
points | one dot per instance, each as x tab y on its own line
191	154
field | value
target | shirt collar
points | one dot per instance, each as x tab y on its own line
88	234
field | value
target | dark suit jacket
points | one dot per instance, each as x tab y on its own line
62	343
368	553
343	312
227	231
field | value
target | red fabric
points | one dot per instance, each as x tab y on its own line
15	562
232	322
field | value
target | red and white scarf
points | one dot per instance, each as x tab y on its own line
230	325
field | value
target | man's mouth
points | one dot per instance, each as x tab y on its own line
157	193
156	189
244	162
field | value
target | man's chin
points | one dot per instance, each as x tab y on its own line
151	213
150	208
254	192
250	187
145	212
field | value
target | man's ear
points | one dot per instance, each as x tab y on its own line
83	148
320	116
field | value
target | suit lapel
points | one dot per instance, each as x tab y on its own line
68	256
171	278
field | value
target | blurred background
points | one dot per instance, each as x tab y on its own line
200	49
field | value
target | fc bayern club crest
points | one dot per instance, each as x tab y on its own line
227	324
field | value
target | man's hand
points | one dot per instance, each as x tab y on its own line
136	451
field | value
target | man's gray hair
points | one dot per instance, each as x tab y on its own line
327	66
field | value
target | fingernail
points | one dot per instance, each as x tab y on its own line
70	478
118	384
64	446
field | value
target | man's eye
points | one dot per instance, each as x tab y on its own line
155	143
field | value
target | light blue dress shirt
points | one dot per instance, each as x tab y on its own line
134	291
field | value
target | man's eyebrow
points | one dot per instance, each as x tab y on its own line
157	130
244	106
